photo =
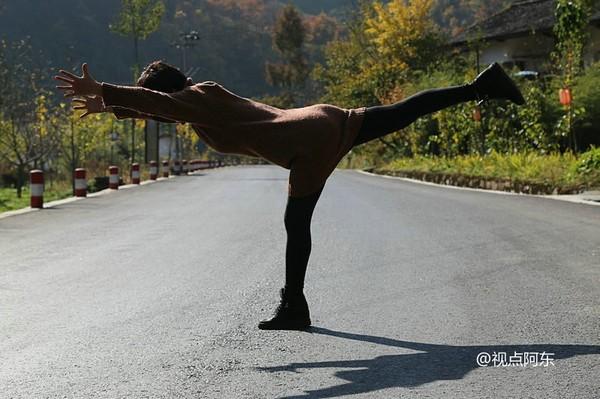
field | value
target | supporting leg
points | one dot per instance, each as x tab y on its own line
293	312
297	219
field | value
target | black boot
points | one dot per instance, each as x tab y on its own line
291	314
494	83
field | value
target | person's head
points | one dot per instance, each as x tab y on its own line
160	76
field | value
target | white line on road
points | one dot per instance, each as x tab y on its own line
575	198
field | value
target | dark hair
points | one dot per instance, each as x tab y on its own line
160	76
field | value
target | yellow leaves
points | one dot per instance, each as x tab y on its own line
185	131
395	27
41	112
402	37
396	94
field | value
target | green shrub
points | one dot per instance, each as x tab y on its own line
554	169
589	162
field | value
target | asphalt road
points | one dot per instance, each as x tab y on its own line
156	292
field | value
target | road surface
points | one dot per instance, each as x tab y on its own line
156	292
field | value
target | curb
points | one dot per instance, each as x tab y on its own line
573	198
68	200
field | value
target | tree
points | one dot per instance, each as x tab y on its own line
342	72
388	46
571	32
81	139
386	43
26	133
404	37
288	40
138	19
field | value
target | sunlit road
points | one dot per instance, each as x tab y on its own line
156	292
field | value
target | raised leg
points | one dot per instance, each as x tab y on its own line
492	83
385	119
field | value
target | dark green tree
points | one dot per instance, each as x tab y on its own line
138	19
571	32
25	136
288	40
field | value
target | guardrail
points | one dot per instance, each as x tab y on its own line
36	177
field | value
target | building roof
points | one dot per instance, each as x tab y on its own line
520	18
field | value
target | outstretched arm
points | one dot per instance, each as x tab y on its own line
180	106
126	113
95	105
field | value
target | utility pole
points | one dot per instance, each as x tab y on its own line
186	40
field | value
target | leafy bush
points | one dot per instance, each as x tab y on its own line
589	162
557	169
587	95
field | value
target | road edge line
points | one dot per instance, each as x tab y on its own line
67	200
564	198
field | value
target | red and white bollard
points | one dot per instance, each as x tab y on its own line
113	180
80	183
153	170
165	169
135	173
36	188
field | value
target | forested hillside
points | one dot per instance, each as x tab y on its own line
235	38
234	35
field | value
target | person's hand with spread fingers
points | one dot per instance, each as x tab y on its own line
309	141
85	85
90	104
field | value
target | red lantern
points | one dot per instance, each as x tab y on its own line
477	114
565	96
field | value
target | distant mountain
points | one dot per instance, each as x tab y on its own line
334	7
235	39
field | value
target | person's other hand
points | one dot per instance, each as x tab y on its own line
85	85
91	105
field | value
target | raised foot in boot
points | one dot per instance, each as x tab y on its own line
291	314
494	83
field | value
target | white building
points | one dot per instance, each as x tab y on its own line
521	35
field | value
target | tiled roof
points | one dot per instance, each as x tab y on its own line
521	17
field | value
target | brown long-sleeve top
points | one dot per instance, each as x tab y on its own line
310	141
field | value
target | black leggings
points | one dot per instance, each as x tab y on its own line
378	122
385	119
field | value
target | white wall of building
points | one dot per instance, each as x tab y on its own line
528	53
532	52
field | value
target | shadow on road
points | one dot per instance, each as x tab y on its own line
251	178
432	363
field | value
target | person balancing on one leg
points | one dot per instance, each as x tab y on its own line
309	141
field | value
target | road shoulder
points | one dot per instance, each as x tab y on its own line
587	198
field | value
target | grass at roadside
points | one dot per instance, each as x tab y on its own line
563	172
9	200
